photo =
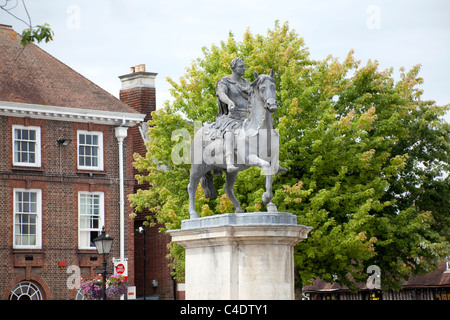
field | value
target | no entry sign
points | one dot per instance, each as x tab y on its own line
120	268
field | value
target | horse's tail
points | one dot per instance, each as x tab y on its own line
207	183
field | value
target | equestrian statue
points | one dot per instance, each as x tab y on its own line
242	136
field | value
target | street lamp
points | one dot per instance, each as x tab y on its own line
142	230
103	244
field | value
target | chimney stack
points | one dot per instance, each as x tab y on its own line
138	90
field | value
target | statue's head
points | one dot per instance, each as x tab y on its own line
238	63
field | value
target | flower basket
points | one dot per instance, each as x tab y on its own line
92	289
116	286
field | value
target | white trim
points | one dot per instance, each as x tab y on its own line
100	166
121	133
36	111
38	244
38	146
138	80
101	222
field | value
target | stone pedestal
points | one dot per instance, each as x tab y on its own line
244	256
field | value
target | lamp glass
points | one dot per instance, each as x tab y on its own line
103	243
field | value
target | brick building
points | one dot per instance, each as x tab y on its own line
65	170
138	91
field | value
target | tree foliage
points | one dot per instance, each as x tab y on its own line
367	158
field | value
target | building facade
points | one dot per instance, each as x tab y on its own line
65	170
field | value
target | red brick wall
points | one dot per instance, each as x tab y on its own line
143	100
60	206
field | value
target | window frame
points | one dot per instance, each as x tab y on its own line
38	233
101	217
38	145
100	165
31	291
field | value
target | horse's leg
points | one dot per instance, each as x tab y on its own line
192	188
268	194
268	172
231	178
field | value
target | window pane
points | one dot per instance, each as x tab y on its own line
84	239
84	222
24	146
95	223
82	139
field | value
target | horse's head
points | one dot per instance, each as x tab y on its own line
264	86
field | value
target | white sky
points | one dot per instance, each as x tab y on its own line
102	39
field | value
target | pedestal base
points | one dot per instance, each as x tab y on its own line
247	256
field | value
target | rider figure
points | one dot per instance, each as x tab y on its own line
232	97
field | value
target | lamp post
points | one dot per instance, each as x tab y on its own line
142	230
103	244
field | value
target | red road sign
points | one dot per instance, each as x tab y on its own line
120	268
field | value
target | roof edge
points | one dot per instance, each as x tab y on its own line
36	111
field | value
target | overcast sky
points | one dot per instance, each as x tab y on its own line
102	39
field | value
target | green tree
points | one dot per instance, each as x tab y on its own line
367	159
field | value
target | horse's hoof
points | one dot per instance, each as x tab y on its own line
281	170
194	215
271	207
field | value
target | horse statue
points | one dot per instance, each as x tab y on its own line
256	144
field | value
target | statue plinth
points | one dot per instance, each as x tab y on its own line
242	256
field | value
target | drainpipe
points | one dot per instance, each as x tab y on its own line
121	133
